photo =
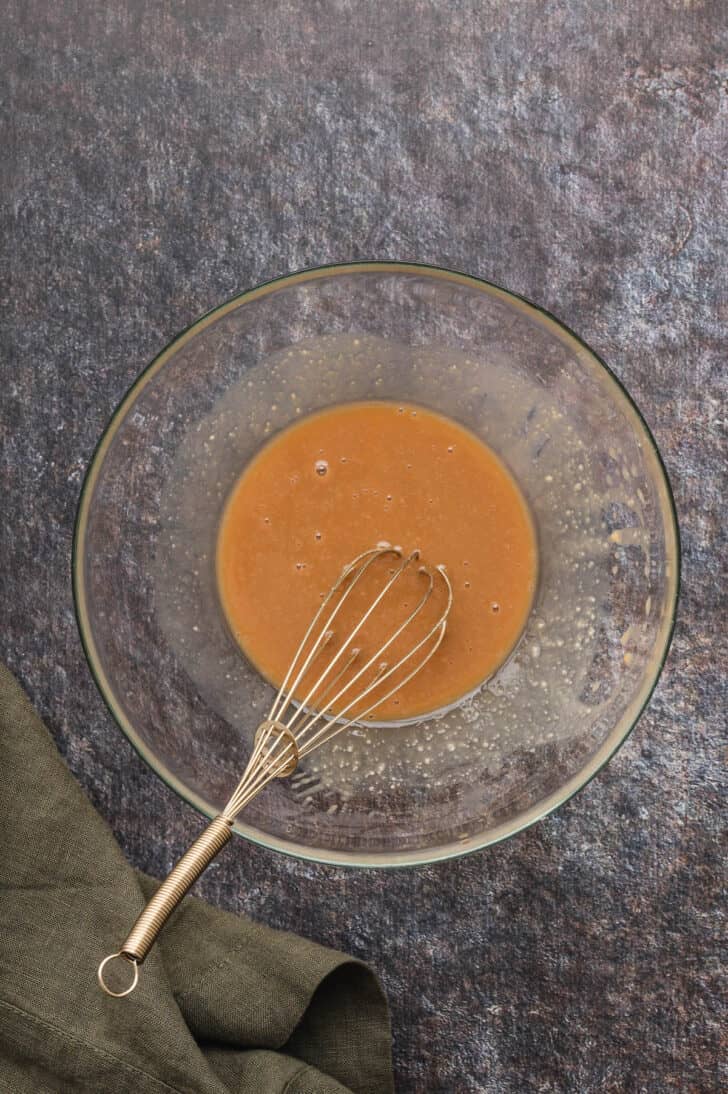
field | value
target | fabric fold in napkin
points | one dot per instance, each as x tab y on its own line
225	1005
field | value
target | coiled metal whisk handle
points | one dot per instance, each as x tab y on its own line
275	755
144	933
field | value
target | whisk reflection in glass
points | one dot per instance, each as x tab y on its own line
318	699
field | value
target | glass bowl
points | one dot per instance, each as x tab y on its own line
536	732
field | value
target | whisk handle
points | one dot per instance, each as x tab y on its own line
144	933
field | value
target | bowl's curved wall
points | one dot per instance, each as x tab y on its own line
144	564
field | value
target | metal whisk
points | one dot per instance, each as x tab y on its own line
337	692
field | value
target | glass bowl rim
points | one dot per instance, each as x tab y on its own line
537	812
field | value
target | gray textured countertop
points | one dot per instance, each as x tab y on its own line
157	158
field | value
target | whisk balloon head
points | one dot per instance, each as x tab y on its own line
346	666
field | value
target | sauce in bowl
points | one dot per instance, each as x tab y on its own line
338	482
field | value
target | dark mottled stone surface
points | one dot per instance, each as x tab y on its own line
158	157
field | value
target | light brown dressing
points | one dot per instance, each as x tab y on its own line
337	483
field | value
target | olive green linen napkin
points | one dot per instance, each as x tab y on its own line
224	1005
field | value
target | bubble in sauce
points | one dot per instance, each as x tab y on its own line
321	467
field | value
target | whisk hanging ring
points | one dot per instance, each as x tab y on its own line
129	961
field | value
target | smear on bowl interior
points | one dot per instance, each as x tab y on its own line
336	483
